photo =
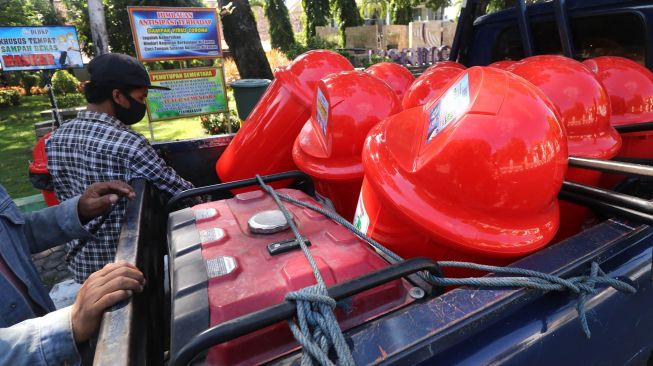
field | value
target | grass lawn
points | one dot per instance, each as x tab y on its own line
175	129
17	140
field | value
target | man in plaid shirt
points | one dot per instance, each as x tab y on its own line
98	146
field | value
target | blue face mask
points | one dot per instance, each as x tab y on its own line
131	115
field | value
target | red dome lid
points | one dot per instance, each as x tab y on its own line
447	64
580	99
307	69
395	75
629	86
478	168
429	85
346	106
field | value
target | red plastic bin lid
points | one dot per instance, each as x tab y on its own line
580	99
447	64
306	70
478	169
629	85
346	106
429	85
395	75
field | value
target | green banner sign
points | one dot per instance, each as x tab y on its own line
193	92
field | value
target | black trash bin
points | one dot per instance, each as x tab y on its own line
247	93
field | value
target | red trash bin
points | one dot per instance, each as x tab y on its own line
347	105
39	175
630	88
473	175
584	109
263	145
395	75
429	85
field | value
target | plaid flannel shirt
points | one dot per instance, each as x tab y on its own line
95	147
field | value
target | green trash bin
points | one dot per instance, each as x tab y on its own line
247	92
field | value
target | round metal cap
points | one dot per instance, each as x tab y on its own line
267	222
416	293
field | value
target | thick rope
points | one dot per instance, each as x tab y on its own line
318	331
582	286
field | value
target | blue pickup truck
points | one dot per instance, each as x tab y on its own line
466	325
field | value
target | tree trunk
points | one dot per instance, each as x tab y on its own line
244	42
98	27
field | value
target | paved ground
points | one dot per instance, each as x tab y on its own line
54	274
51	265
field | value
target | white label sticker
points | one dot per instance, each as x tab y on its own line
220	266
322	110
361	219
211	235
451	106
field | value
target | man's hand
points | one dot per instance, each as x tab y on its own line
99	197
101	290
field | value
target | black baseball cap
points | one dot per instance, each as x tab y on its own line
119	69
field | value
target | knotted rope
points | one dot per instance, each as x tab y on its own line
316	331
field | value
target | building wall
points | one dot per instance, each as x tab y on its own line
365	36
330	34
395	36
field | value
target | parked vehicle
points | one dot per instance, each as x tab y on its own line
187	293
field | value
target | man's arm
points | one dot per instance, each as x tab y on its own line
59	224
54	226
47	340
146	163
52	339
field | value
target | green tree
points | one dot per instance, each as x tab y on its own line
281	32
78	14
370	7
437	4
47	13
401	11
317	14
490	6
348	16
18	12
117	19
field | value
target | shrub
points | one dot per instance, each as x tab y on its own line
18	89
215	124
9	97
29	81
313	43
231	70
38	90
275	57
5	100
12	78
375	59
64	82
70	100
